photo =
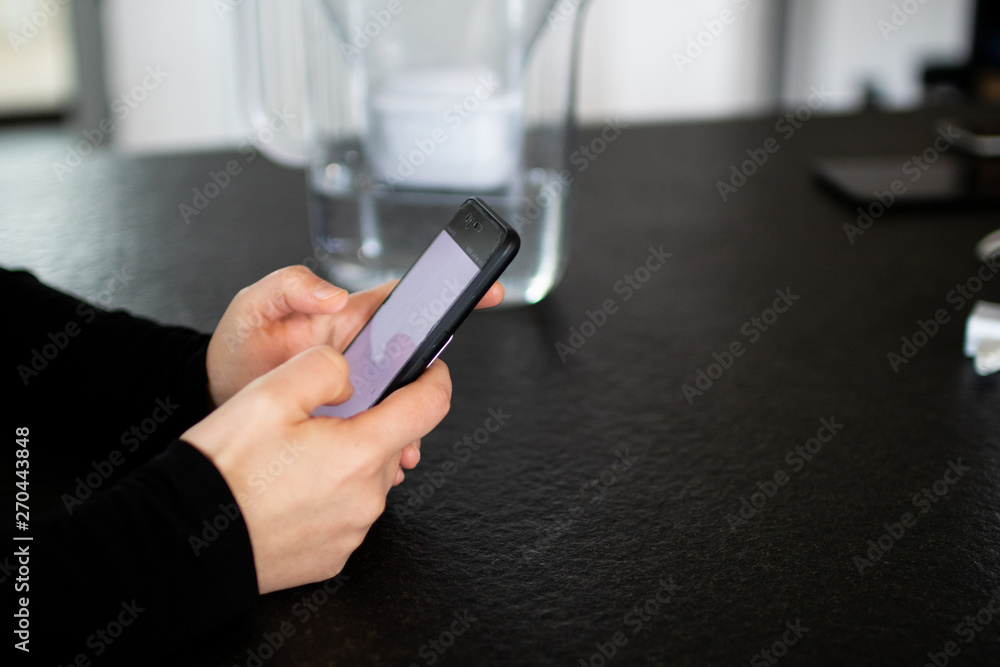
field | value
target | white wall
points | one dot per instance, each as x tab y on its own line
628	65
195	106
846	43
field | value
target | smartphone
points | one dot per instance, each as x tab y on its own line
419	317
951	180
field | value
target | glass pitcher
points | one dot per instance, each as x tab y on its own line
409	107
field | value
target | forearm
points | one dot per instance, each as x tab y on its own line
131	381
165	553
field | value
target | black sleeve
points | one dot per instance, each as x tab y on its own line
144	567
136	384
142	532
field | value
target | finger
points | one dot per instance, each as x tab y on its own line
399	477
493	297
308	380
392	472
361	307
364	304
368	301
407	414
410	457
294	289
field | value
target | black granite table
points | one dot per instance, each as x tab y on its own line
729	470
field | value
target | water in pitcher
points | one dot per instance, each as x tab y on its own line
365	236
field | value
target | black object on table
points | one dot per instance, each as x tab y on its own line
729	462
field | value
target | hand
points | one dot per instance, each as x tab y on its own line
335	473
284	313
268	323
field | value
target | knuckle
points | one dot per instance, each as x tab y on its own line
372	467
339	361
374	508
324	354
291	276
298	272
439	398
244	296
340	370
335	564
260	401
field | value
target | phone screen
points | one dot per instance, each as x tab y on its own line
403	322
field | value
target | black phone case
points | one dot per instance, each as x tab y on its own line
466	301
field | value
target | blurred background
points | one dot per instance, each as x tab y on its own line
68	61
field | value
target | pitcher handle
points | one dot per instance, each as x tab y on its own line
288	145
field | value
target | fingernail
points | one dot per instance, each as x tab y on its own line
325	291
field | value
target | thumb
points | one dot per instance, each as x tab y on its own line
407	414
308	380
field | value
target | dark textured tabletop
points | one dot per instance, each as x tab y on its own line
729	468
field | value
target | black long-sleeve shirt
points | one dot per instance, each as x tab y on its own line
136	540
